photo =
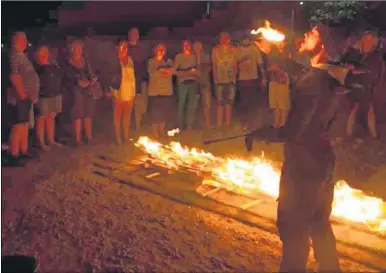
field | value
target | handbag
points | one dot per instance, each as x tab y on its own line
95	89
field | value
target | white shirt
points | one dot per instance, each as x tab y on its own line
127	90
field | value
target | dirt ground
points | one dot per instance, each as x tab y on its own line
56	210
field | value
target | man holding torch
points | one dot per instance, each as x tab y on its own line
306	188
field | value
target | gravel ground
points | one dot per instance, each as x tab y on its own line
58	211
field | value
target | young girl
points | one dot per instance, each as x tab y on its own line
161	101
123	98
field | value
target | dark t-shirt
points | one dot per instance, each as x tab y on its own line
140	55
373	63
50	77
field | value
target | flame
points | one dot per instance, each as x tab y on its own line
260	175
269	33
173	132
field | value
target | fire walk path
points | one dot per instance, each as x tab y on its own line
355	242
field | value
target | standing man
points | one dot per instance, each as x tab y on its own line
224	61
306	188
249	63
186	67
279	87
24	92
370	61
204	67
140	55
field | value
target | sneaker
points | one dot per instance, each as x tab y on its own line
359	140
27	156
88	141
13	161
44	148
56	144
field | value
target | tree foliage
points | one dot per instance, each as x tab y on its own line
339	13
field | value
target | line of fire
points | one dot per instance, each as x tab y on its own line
246	189
243	189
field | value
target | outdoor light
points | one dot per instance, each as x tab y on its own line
29	44
301	3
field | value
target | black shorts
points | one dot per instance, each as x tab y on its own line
21	111
161	109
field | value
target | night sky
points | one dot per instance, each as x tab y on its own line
18	15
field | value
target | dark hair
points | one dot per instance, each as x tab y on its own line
15	34
120	40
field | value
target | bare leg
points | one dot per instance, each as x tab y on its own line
207	117
161	129
77	124
276	119
138	109
88	127
15	139
40	122
24	138
126	112
283	117
220	112
351	120
228	115
371	122
51	128
154	127
117	120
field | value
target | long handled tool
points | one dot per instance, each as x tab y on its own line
224	139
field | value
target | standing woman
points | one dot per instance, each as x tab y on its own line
161	100
279	87
123	97
50	97
205	67
78	79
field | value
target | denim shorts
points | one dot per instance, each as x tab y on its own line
225	93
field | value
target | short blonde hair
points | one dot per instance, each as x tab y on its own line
75	43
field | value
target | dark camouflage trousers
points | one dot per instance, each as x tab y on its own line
305	203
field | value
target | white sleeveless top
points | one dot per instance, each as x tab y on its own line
127	90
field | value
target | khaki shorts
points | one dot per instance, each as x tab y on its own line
279	96
140	102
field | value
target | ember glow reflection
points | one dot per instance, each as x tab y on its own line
259	175
173	132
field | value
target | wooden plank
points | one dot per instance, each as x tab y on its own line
211	191
251	204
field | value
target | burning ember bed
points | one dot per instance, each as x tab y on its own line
244	188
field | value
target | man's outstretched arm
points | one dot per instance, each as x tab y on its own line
265	134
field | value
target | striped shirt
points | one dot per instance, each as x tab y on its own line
20	65
160	84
